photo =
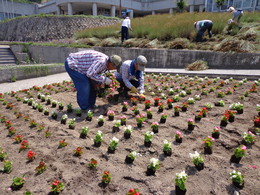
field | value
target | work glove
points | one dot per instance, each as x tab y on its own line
134	90
108	81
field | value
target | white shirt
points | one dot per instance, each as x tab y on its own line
126	22
200	24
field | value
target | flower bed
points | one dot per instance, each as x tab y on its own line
61	164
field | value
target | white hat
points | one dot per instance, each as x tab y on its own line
141	62
231	9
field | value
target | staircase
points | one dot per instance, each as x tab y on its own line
6	56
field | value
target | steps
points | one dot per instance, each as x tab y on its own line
6	56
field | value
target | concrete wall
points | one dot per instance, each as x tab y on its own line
48	28
157	58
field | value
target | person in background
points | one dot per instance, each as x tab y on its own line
234	22
131	76
126	24
85	68
201	26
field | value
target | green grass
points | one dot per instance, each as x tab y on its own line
167	27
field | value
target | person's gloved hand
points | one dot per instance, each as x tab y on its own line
134	90
108	81
142	91
142	95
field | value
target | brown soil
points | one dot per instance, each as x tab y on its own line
79	179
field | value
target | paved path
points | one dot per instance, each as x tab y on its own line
40	81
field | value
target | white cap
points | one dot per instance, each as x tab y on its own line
141	62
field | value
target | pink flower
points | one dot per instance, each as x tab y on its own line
178	132
254	166
243	147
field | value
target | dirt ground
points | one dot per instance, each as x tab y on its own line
80	180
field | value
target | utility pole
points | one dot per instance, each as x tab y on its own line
120	9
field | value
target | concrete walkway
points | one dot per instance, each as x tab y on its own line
40	81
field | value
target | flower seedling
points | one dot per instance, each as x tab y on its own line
99	137
113	143
196	158
167	146
93	163
249	137
128	129
31	155
240	151
180	180
208	142
11	131
3	154
57	187
148	136
84	132
106	177
191	101
78	151
72	123
133	155
62	144
24	145
190	121
154	164
178	135
7	166
41	167
17	183
237	177
47	133
133	192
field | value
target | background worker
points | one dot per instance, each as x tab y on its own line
201	26
234	22
131	76
126	24
85	68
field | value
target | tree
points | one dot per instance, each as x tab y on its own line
219	3
181	4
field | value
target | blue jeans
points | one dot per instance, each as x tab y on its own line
86	94
124	33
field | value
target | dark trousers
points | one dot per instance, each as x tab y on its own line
123	90
207	26
124	33
86	94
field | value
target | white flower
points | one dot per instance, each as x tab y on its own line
165	142
100	117
114	139
195	155
181	175
154	162
99	133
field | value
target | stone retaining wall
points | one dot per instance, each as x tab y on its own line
157	58
47	28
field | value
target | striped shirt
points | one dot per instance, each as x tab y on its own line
89	62
125	75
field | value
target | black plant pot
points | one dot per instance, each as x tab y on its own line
240	111
88	118
83	136
167	153
150	171
110	150
156	103
63	121
200	166
160	110
69	110
123	123
46	113
97	144
258	113
136	112
54	116
149	116
139	125
147	107
129	160
163	120
61	107
100	123
215	135
16	187
127	135
184	109
72	126
78	114
235	159
208	150
147	144
179	140
223	123
176	113
115	129
179	191
238	185
191	127
155	130
256	124
197	118
231	119
169	106
111	118
124	109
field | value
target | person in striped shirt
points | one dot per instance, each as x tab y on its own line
131	77
85	69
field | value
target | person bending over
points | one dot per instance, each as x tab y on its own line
201	26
